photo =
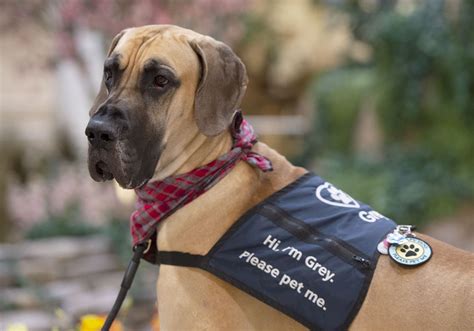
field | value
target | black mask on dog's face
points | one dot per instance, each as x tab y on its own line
151	83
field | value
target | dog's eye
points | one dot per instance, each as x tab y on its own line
107	77
160	81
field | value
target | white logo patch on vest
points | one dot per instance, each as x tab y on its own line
331	195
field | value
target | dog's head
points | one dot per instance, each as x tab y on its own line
160	83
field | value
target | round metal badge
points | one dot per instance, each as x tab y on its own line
411	252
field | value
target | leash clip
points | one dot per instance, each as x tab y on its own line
148	246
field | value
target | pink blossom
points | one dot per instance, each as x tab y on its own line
41	199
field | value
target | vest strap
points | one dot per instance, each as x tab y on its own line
180	259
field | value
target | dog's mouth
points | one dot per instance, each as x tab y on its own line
103	168
103	171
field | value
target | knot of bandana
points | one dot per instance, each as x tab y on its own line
158	200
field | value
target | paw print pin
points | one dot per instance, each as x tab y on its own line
409	250
412	252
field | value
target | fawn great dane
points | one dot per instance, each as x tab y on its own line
165	105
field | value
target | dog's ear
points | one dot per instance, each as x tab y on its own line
102	95
221	87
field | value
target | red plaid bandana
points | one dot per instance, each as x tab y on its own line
158	200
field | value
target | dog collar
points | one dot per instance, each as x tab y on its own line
159	199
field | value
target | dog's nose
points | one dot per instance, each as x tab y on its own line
104	126
100	132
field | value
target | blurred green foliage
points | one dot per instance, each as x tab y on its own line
118	231
421	80
68	223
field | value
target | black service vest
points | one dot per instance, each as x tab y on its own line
309	251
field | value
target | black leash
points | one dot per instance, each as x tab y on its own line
127	281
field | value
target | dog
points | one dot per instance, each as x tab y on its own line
164	108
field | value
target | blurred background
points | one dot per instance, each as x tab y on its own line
375	96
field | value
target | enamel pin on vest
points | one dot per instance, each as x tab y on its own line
405	248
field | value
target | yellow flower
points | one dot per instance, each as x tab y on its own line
155	323
95	322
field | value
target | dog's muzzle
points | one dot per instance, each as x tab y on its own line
104	131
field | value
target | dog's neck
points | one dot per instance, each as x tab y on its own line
192	152
196	227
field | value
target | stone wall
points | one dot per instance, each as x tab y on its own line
52	282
